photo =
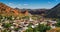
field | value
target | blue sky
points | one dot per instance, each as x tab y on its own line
31	4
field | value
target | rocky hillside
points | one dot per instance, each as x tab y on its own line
4	9
54	12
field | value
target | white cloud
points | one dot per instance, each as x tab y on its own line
25	4
19	4
10	3
13	5
49	2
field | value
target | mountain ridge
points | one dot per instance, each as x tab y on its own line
54	12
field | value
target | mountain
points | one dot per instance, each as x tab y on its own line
4	9
34	11
54	12
37	11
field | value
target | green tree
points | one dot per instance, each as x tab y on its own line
58	23
29	30
43	28
6	25
39	28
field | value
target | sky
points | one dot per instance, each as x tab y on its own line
31	4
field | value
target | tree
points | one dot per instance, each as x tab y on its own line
26	17
29	30
39	28
6	25
58	23
43	28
